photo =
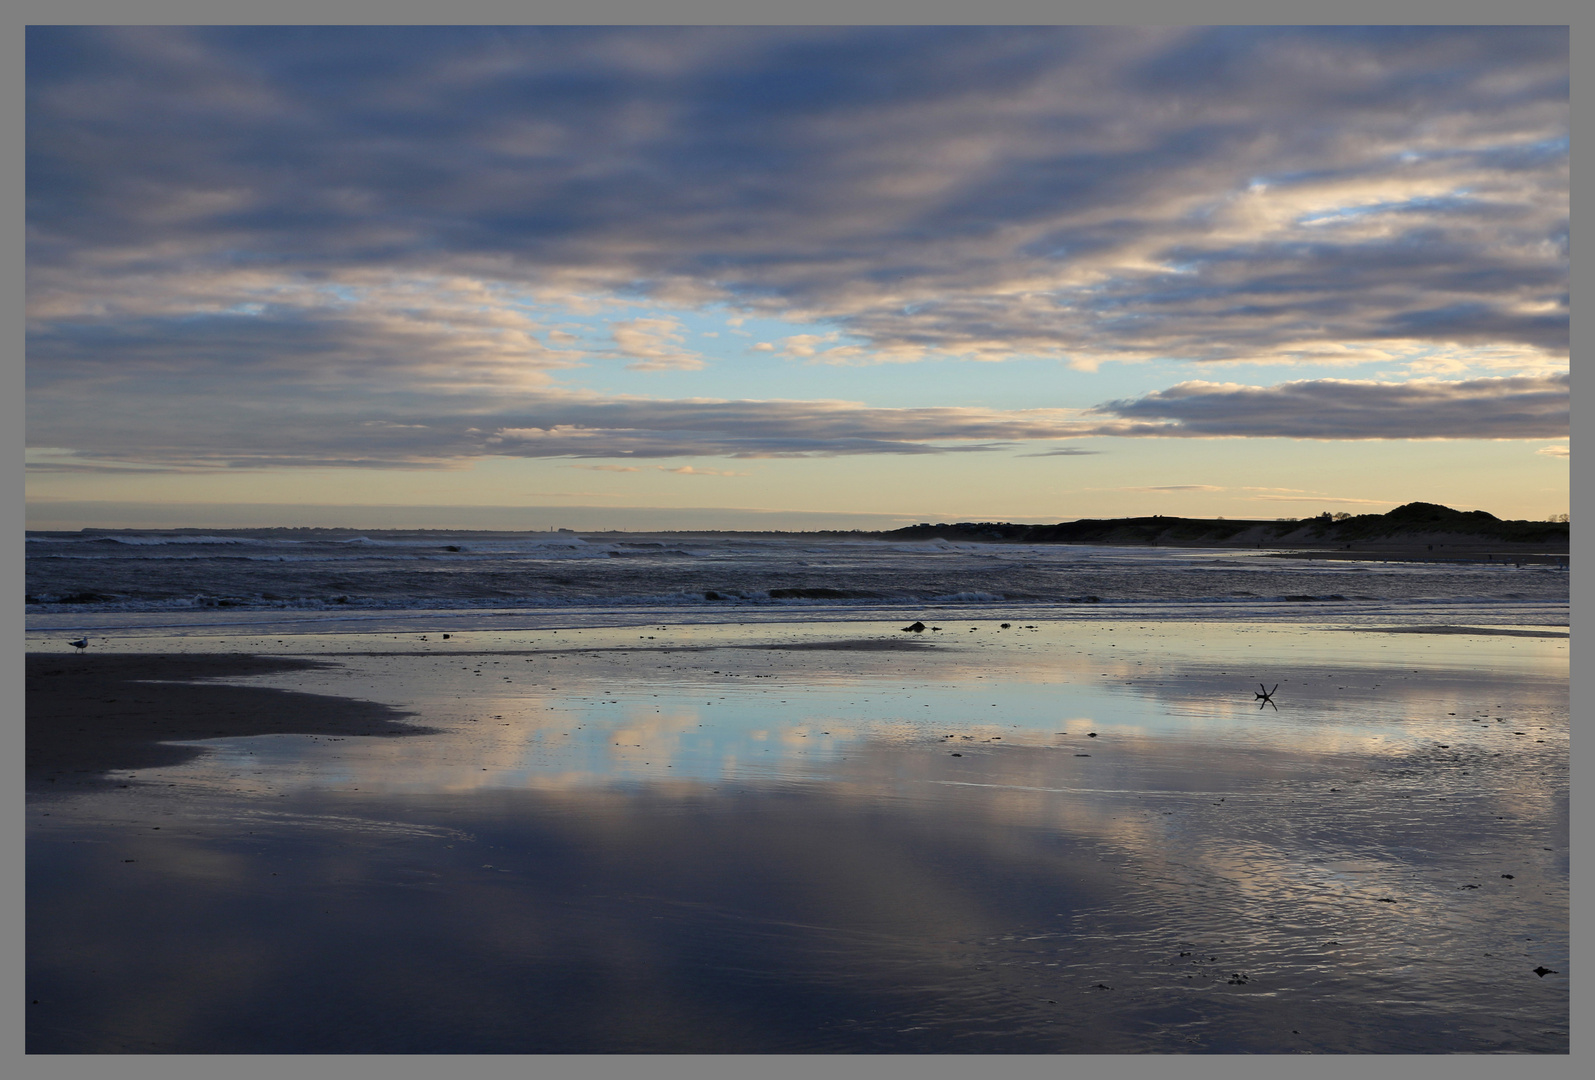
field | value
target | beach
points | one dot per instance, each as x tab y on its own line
806	834
992	540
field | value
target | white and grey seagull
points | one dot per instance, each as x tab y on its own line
81	643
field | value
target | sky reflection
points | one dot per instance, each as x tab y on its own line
543	712
617	851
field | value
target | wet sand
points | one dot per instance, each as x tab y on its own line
1065	838
91	715
1478	631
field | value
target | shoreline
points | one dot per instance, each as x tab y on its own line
1482	631
1412	553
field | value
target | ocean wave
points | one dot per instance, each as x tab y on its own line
663	554
376	553
796	598
348	570
138	540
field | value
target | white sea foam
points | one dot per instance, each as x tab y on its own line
144	540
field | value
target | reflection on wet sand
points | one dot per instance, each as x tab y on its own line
689	858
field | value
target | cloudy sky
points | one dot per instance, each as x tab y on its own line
798	277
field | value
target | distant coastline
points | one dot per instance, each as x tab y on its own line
1417	530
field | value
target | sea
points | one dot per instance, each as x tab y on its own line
166	582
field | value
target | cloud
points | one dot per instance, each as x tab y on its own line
341	245
1319	499
1176	487
1090	193
1064	451
334	424
1515	407
656	345
684	470
97	468
385	333
635	427
1553	451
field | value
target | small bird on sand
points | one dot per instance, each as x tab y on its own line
80	643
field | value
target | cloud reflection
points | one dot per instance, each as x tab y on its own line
492	889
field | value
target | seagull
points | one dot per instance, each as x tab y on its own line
81	643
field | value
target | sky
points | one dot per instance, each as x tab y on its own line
801	277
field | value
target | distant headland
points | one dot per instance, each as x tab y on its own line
1417	530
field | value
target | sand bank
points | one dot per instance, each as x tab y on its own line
92	714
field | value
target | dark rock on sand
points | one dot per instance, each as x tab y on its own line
918	627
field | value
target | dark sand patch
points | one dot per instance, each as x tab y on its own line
88	715
1482	631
